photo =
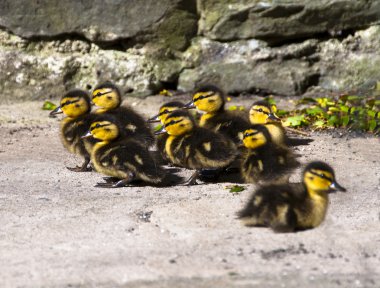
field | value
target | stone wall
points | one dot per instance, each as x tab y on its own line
283	47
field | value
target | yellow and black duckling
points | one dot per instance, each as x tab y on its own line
122	158
210	99
263	160
164	111
194	147
76	106
261	113
292	207
107	97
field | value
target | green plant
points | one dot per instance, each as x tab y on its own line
352	112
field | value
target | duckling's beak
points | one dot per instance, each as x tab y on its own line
56	111
273	117
336	187
87	135
161	131
189	105
153	119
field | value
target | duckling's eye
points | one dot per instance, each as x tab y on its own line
97	125
260	110
98	94
246	135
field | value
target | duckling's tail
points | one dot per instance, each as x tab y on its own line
298	141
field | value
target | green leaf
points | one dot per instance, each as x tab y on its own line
233	108
295	121
235	188
344	108
314	111
372	125
281	112
271	101
48	106
158	127
333	120
319	124
345	120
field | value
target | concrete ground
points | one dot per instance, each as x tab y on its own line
57	230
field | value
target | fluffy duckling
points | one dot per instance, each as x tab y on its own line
107	96
261	113
164	111
210	99
262	159
292	207
194	147
121	157
76	106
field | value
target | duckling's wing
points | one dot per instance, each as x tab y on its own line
133	156
74	129
134	124
231	124
213	150
273	205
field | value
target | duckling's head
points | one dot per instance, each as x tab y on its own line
74	104
177	123
320	177
165	110
207	98
256	137
104	129
107	96
261	113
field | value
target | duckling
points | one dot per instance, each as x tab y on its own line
164	111
122	157
107	96
261	113
76	105
210	99
292	207
262	159
194	147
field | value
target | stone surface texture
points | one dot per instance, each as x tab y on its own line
282	47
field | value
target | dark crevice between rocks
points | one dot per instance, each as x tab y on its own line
324	36
120	44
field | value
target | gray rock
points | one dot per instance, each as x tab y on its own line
286	70
283	20
250	65
47	69
101	21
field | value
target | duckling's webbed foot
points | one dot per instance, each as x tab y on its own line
192	180
84	168
112	182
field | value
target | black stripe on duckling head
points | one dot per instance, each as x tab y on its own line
257	128
322	176
108	85
106	95
76	93
171	105
179	122
74	104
